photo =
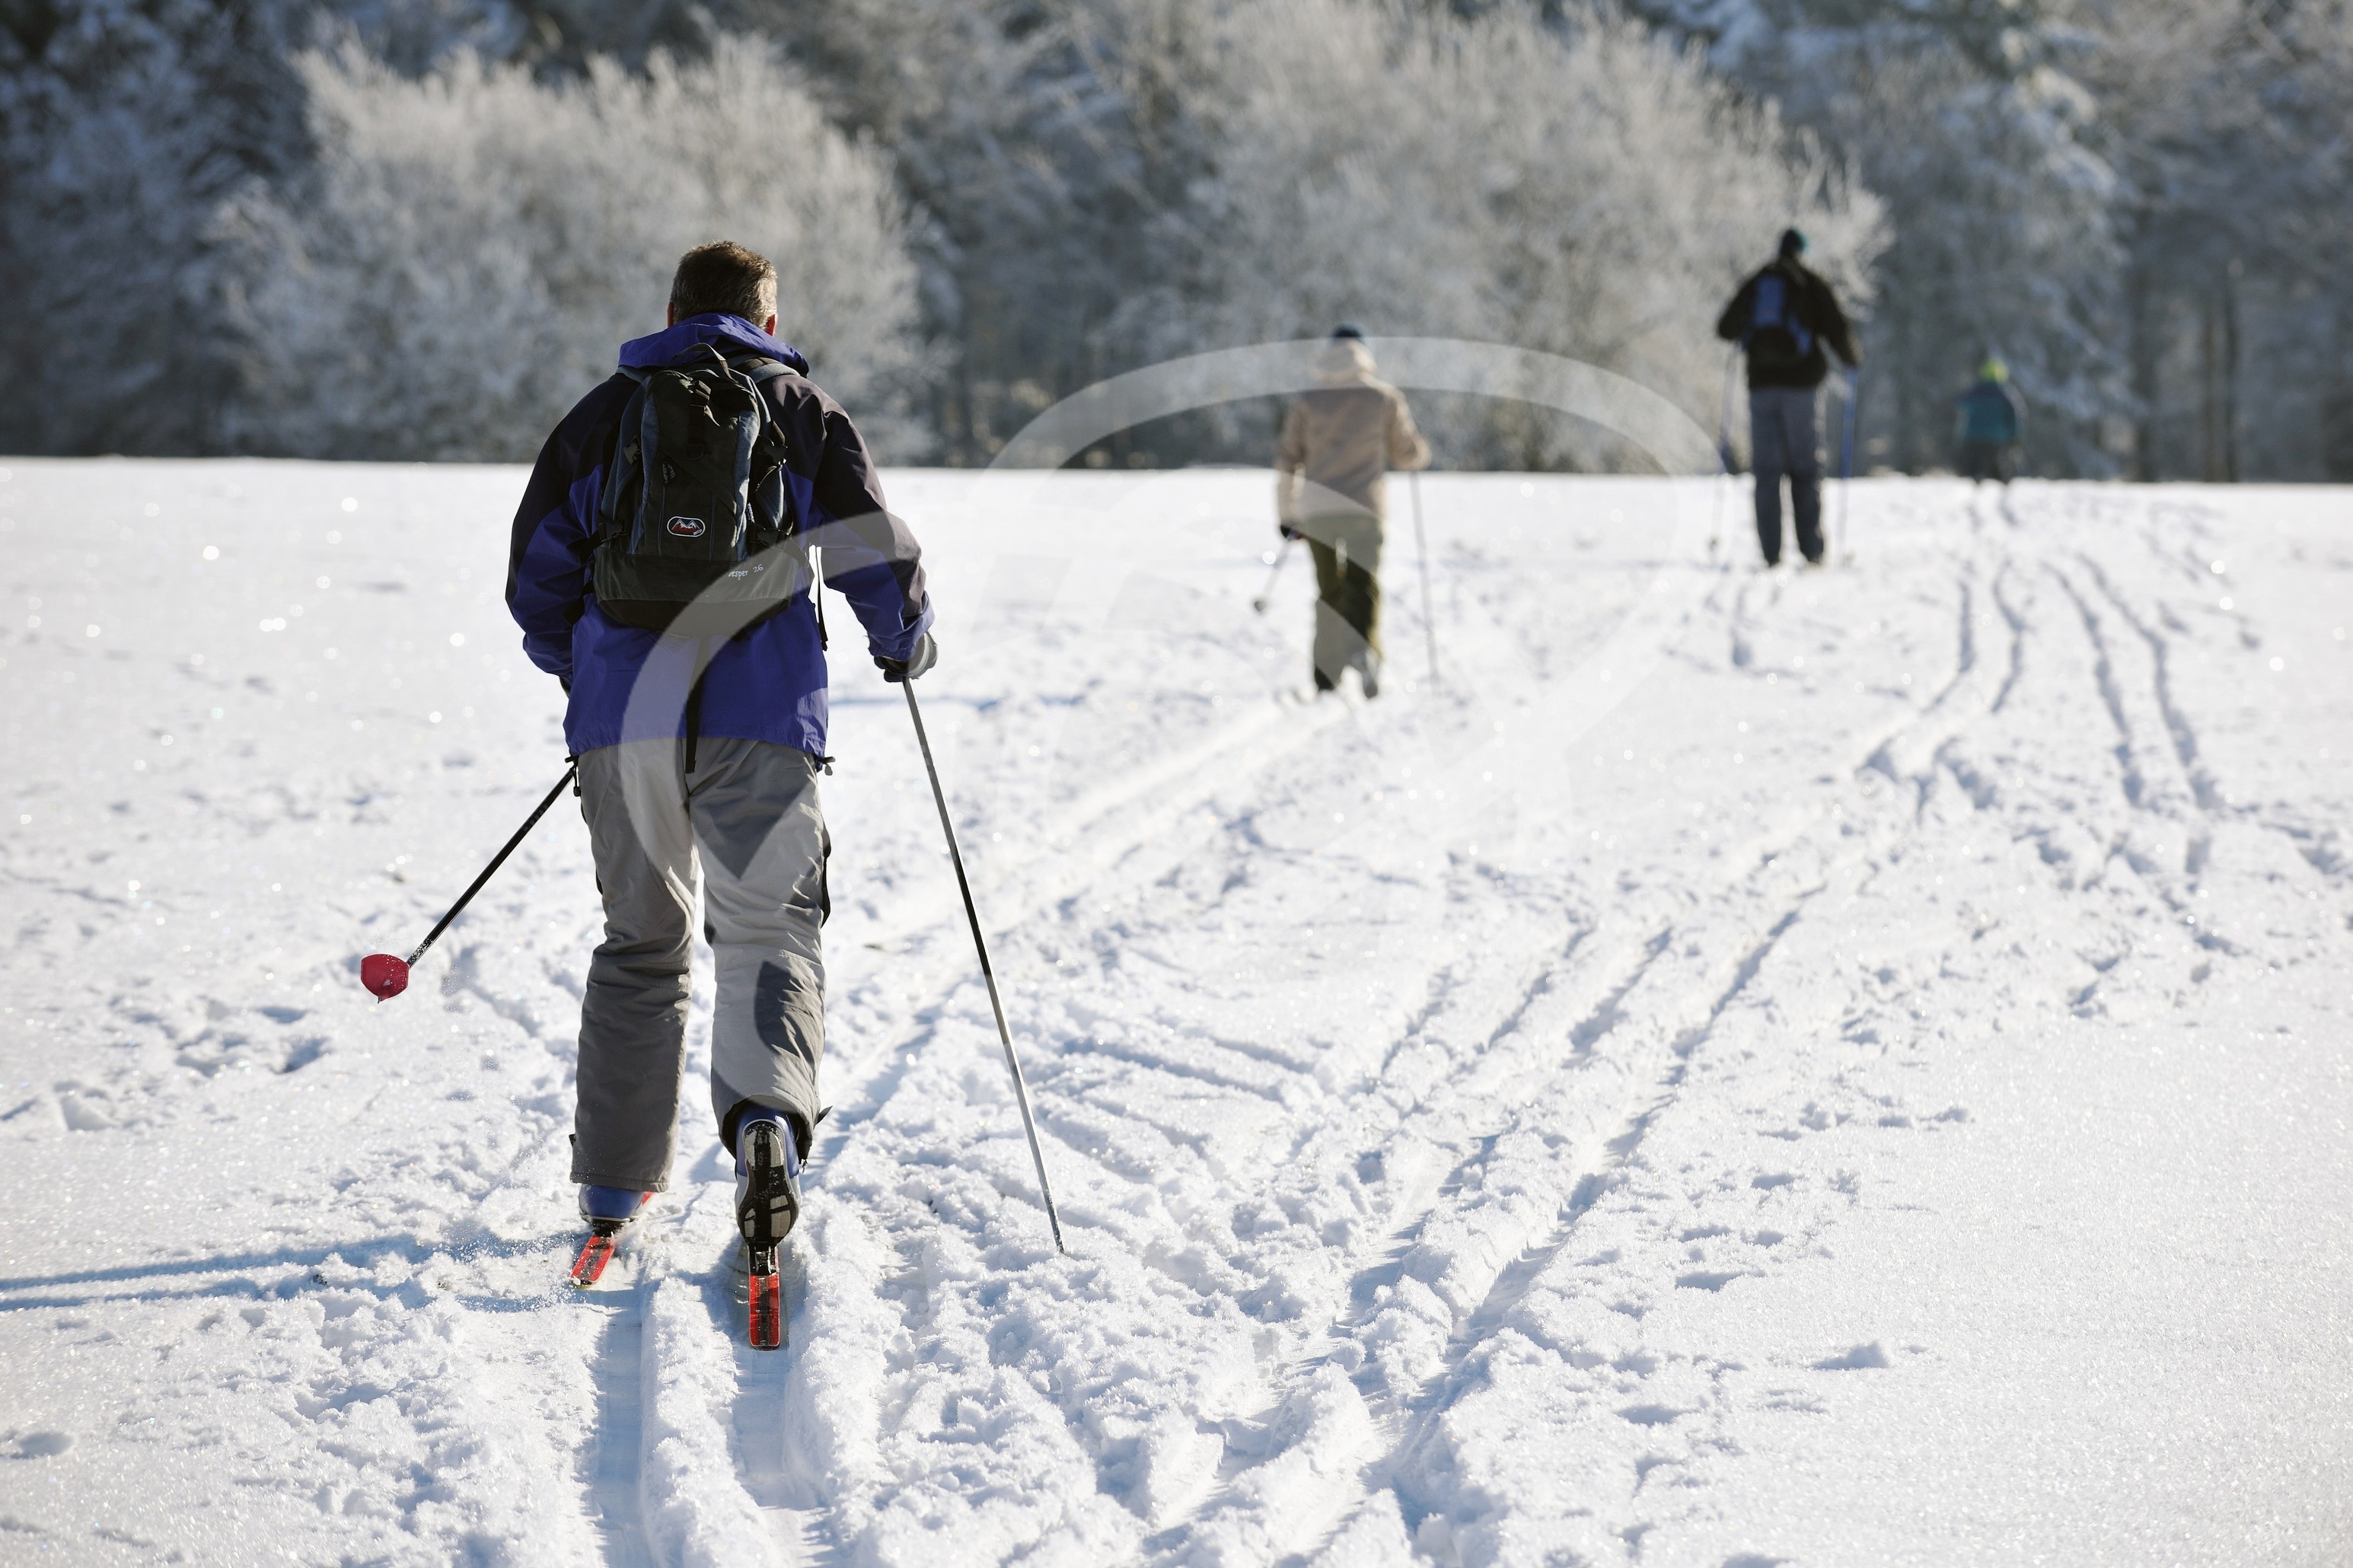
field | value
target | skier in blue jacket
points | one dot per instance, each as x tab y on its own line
723	793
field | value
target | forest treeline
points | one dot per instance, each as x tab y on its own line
418	228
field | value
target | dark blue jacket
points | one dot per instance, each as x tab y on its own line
768	684
1817	309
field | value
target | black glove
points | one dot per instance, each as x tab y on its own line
1288	532
924	655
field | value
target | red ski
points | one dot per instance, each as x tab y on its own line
767	1202
603	1240
595	1253
766	1299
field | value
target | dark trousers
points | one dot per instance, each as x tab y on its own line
1985	460
1783	440
1348	553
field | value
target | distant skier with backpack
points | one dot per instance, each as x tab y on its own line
1990	423
1338	443
1783	317
662	566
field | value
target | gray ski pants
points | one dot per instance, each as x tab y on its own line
1784	438
747	820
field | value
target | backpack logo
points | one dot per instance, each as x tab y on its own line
688	527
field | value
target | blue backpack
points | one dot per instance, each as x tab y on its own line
1776	338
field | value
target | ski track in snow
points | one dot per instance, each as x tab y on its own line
1751	1067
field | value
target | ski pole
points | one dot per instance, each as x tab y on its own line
1846	461
988	974
1421	547
387	975
1723	448
1281	556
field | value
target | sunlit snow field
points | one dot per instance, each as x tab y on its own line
1840	1067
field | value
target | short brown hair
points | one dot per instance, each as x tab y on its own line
724	279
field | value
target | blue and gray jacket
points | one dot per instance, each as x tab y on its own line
769	682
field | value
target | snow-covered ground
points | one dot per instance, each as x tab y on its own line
1842	1068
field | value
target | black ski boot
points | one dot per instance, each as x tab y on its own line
767	1205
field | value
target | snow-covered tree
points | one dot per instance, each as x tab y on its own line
1042	141
1965	121
1111	181
473	244
1575	186
121	126
2139	202
2227	119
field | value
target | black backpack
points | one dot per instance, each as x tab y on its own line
694	497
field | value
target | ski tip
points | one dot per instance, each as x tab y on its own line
589	1266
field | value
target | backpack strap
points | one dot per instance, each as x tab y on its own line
624	459
752	365
758	369
757	366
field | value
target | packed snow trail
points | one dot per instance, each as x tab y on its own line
1826	1068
